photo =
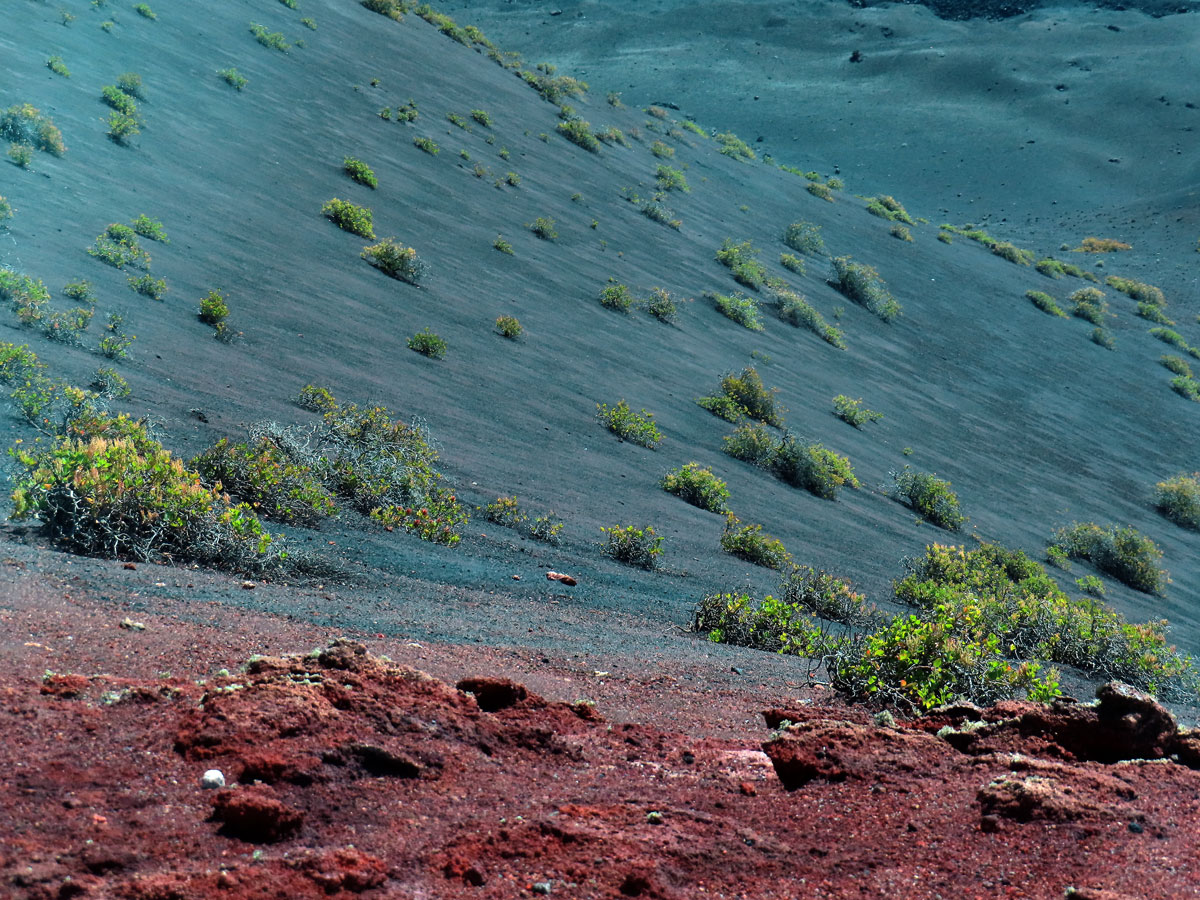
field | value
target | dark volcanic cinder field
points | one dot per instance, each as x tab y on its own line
1044	129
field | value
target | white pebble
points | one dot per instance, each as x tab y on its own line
212	779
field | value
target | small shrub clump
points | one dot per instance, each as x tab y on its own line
360	172
1045	303
729	144
395	260
150	228
273	40
798	312
930	496
852	411
742	309
508	327
1120	551
1178	499
862	284
637	428
544	227
118	247
639	547
25	125
233	78
888	208
745	396
579	132
805	237
213	308
749	543
811	466
698	486
1089	304
349	217
428	344
616	297
663	306
742	261
154	288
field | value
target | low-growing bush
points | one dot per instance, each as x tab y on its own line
131	84
6	210
273	40
751	397
67	327
809	465
797	311
21	155
1092	585
118	247
509	327
1176	364
81	290
56	65
428	344
1101	337
579	132
793	263
150	228
1152	313
1046	303
639	547
395	260
637	428
1012	253
1144	293
262	474
24	124
349	217
749	543
862	284
154	288
213	308
729	144
360	172
852	411
393	9
108	383
116	344
1120	551
663	306
698	486
742	309
888	208
823	191
502	245
1102	245
671	179
805	237
544	227
930	496
661	150
144	10
28	296
616	297
122	127
1169	336
751	443
742	261
427	144
118	100
233	78
1089	304
1178	499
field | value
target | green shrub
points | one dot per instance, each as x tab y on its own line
579	132
109	383
481	117
24	124
213	308
752	397
309	23
671	179
901	233
273	40
118	247
852	411
131	84
1122	552
697	486
233	78
1178	499
543	227
317	399
639	547
67	327
456	119
661	150
751	443
1168	336
115	492
505	511
81	290
811	466
1090	584
347	216
862	284
119	100
1012	253
822	191
742	261
1051	268
1046	303
116	344
145	11
637	428
502	245
393	9
616	297
729	144
1090	305
395	260
6	210
360	172
657	212
428	344
150	228
56	65
263	475
509	327
663	306
1143	293
888	208
28	296
21	155
1103	338
798	312
154	288
1153	313
930	496
122	127
742	309
1176	364
794	263
770	625
749	543
805	237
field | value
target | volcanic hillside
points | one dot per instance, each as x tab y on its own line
1035	424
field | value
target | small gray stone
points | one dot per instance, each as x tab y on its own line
541	887
212	779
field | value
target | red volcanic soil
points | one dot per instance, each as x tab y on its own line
350	774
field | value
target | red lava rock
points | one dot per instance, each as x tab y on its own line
494	694
1057	793
1096	894
834	751
65	686
460	868
565	579
131	566
748	789
273	768
345	869
255	815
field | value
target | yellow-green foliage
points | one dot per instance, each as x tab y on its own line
633	546
1178	499
1120	551
349	217
638	428
698	486
749	543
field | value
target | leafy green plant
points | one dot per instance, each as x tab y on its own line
1120	551
1176	364
481	117
637	428
805	237
1169	336
25	124
749	543
544	227
663	306
698	486
119	100
822	191
1101	337
862	284
1153	313
56	65
131	84
349	217
28	296
309	23
671	179
742	309
811	466
616	297
502	245
21	155
145	11
67	327
1046	303
1090	584
661	150
213	308
233	78
116	344
852	412
1143	293
360	172
793	263
930	496
273	40
798	312
261	474
150	228
395	260
1089	304
154	288
1012	253
749	397
6	210
122	127
729	144
639	547
118	247
887	207
901	233
508	327
742	261
81	290
1178	499
109	383
579	132
428	344
393	9
751	443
